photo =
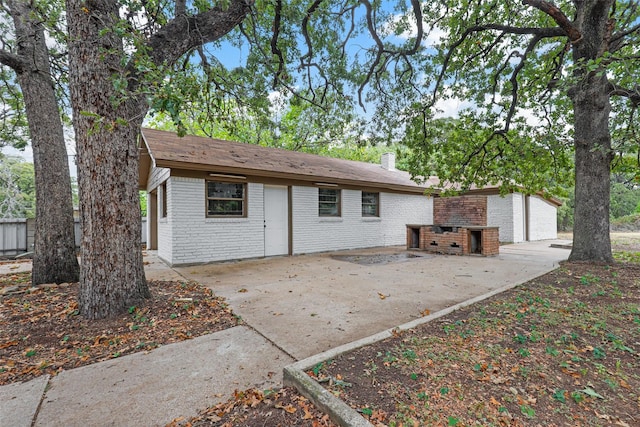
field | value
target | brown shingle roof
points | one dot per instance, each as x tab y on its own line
169	150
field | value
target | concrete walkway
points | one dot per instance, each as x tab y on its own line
293	308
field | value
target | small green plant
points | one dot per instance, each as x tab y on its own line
524	352
588	279
30	353
317	369
453	421
409	354
448	329
567	339
388	357
520	339
577	396
560	396
527	411
599	353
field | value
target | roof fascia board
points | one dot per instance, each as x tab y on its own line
184	169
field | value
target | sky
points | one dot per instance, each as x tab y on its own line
27	153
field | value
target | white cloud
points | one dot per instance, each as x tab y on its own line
450	107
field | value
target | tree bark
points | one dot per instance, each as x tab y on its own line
592	139
54	258
107	126
107	119
591	239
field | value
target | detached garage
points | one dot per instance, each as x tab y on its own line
213	200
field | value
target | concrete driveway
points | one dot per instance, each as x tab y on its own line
310	303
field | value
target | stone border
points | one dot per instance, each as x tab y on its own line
342	414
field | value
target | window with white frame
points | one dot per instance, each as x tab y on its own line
226	199
328	202
370	204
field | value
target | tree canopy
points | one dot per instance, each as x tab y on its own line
17	188
543	82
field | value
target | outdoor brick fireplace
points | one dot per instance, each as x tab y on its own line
460	228
454	240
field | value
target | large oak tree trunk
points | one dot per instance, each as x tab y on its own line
107	125
107	114
592	139
54	259
591	240
112	276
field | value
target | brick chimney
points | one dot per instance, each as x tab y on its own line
389	161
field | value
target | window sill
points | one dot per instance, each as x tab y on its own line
371	219
217	220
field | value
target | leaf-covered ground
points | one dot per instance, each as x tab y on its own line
561	350
42	331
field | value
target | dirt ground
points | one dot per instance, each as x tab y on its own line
43	333
560	350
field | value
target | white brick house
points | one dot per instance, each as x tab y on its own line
212	200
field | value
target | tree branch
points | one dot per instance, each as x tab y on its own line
616	38
13	61
514	81
274	43
184	33
558	16
541	33
632	94
379	63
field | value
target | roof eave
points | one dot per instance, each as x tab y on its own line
146	162
260	173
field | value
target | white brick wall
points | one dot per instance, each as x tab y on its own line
542	219
312	233
187	236
398	210
507	214
165	231
198	239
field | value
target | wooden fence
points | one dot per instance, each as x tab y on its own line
17	235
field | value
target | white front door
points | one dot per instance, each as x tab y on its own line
276	220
